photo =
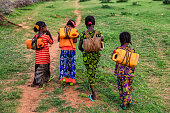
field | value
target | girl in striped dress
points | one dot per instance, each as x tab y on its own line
42	56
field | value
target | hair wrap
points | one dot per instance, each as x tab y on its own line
73	23
89	23
37	27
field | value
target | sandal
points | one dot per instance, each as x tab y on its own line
89	87
41	87
123	107
71	84
51	78
64	81
90	97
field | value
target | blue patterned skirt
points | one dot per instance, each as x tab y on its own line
68	65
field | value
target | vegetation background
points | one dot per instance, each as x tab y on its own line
146	20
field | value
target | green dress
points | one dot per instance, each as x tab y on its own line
91	59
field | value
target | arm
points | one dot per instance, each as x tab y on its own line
80	46
58	37
75	40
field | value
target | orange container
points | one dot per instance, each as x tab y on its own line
72	34
29	43
121	57
39	43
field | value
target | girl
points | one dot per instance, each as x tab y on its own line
42	56
90	59
124	74
68	56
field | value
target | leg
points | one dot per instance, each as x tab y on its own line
130	101
62	65
73	67
120	88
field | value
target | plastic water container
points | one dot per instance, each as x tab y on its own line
72	34
39	43
122	56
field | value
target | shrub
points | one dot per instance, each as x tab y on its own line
83	0
134	3
106	6
157	0
122	0
6	6
166	1
105	1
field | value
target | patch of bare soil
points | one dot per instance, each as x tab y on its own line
72	96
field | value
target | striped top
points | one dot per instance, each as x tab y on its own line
43	56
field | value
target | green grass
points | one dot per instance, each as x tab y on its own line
148	24
149	30
17	61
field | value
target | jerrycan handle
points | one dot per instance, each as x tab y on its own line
113	58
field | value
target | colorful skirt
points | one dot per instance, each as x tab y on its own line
125	89
68	65
42	74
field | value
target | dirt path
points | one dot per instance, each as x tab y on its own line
70	94
32	96
77	12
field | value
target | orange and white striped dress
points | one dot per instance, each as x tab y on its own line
43	56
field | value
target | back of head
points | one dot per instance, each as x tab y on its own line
89	20
71	23
38	26
125	37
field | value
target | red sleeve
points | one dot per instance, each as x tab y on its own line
49	39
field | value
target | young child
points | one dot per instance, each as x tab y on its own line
90	59
42	56
124	74
68	55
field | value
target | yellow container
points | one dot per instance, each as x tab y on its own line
39	43
126	58
72	33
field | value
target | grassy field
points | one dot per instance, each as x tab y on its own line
149	26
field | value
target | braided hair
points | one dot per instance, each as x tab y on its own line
72	23
39	25
89	20
125	37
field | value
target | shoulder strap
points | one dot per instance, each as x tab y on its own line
95	34
87	34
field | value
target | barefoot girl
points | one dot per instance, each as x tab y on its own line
125	74
68	53
90	59
42	56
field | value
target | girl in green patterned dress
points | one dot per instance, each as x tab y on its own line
90	59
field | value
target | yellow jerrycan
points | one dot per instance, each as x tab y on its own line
40	43
72	32
125	57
